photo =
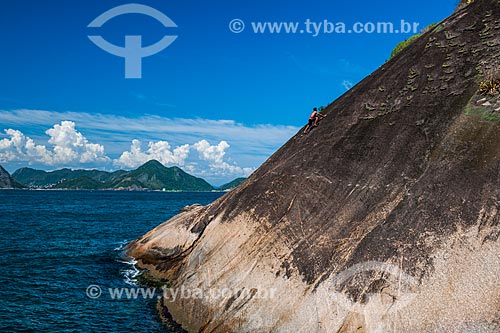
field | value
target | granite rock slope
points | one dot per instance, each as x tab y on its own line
382	219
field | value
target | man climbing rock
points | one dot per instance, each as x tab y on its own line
314	118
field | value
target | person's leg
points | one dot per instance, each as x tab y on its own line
309	124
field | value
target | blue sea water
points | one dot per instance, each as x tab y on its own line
55	244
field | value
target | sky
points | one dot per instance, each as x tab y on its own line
218	101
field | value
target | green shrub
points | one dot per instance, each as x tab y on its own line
401	46
482	112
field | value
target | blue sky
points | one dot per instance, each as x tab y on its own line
214	102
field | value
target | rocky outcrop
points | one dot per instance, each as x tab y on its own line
382	219
190	207
6	180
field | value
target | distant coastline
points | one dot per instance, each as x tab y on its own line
106	190
151	176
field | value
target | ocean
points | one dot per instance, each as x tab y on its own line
55	244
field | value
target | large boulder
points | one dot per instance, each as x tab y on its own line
382	219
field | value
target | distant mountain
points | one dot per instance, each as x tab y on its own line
39	178
152	175
232	184
81	183
6	180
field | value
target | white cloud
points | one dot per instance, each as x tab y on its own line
210	158
250	145
214	155
160	151
210	153
22	148
69	147
262	139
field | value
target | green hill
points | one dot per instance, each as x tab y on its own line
39	178
232	184
156	176
82	183
152	175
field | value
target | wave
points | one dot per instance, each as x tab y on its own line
121	245
131	272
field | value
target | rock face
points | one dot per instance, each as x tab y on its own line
382	219
6	180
